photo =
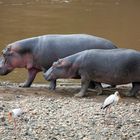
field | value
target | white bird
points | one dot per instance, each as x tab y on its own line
14	114
111	100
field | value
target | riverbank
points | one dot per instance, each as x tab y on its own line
58	115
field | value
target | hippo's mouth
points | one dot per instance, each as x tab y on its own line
4	67
4	72
48	77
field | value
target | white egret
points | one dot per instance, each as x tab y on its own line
110	101
14	114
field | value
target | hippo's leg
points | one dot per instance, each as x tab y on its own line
31	76
135	89
92	85
99	88
52	85
84	87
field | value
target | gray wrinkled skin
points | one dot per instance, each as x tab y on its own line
38	53
114	67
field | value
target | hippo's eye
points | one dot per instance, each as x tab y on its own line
6	58
5	61
5	54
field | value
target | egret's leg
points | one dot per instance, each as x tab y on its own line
15	125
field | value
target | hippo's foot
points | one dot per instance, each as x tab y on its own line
99	93
52	85
24	85
79	95
134	92
99	89
130	94
51	88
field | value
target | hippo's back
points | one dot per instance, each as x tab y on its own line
60	46
72	41
110	55
109	65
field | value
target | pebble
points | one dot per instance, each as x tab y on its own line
71	119
2	118
1	108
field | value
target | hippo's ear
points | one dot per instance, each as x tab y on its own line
65	63
62	63
57	63
54	64
60	60
6	50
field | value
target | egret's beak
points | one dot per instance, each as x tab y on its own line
9	116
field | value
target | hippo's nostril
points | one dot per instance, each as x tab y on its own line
45	76
48	76
2	71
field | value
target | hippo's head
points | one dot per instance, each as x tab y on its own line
10	59
59	69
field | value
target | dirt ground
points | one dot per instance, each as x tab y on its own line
10	90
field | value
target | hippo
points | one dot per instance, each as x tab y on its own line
38	53
114	67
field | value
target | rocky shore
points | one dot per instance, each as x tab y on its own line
59	115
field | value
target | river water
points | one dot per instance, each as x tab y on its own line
116	20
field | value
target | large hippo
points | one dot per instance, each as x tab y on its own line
114	67
38	53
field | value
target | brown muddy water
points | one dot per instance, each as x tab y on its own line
116	20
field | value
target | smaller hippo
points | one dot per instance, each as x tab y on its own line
114	67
